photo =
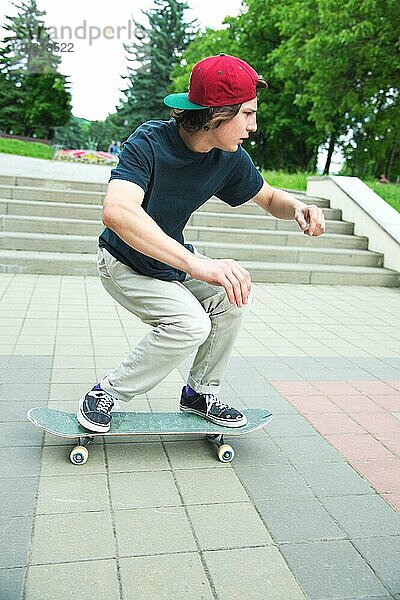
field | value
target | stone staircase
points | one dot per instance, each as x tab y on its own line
51	226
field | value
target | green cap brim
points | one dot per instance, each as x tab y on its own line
181	102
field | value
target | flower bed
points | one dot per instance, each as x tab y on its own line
93	157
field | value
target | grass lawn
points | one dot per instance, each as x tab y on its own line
388	191
33	149
289	181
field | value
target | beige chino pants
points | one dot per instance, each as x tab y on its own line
185	316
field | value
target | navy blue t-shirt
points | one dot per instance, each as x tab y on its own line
176	182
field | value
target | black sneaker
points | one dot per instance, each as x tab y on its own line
94	412
209	407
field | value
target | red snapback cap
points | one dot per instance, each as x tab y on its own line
220	80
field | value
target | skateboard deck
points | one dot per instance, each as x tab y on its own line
66	425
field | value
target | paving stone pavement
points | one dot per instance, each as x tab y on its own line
309	508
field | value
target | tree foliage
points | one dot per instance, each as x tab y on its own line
254	36
34	96
151	61
333	73
347	62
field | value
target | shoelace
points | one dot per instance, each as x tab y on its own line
105	403
211	401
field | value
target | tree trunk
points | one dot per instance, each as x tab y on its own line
331	148
311	166
376	169
392	154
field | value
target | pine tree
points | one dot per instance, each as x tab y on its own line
34	97
160	50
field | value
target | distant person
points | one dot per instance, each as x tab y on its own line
383	179
113	148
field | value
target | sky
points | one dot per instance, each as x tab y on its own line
95	66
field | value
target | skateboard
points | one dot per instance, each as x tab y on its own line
66	425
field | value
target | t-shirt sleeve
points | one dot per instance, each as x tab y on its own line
135	162
243	182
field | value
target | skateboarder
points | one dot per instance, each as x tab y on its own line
166	171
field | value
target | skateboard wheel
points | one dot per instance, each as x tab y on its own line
79	455
225	453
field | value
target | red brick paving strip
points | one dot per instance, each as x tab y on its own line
378	423
355	404
373	387
390	441
358	447
393	499
359	419
390	402
314	404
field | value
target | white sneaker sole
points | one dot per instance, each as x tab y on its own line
215	420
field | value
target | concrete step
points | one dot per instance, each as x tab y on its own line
53	210
304	197
88	245
50	263
261	222
93	211
89	196
252	208
12	261
55	184
332	256
275	238
51	195
217	206
49	225
321	274
77	213
38	242
89	211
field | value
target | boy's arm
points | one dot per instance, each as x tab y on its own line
285	206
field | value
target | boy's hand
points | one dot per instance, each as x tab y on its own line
227	273
310	219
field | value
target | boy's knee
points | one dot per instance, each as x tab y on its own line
195	328
200	328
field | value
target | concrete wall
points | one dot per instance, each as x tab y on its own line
371	215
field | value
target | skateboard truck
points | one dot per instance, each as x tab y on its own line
225	452
80	454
